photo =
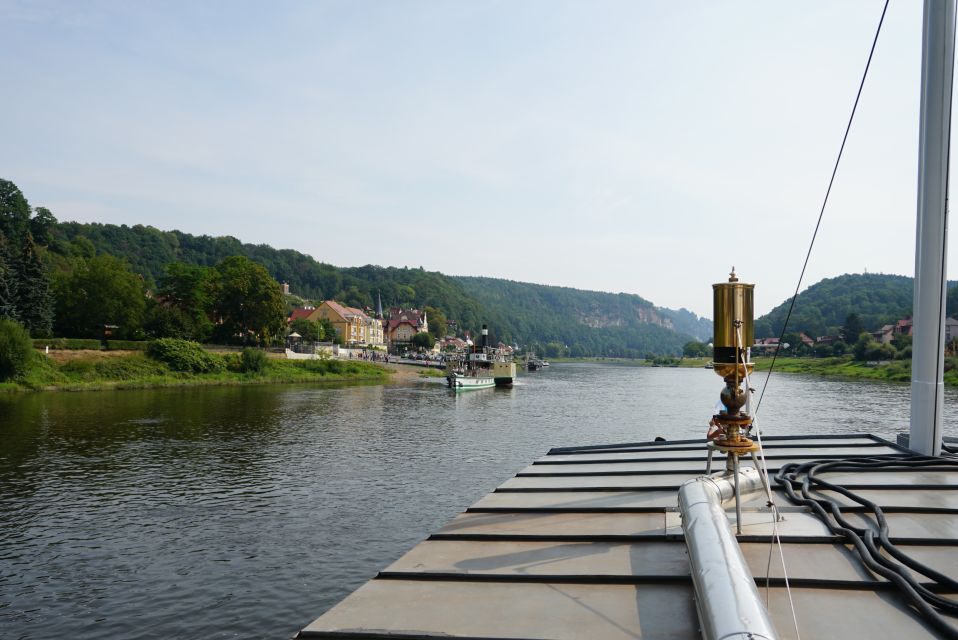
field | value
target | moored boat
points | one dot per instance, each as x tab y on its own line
483	367
533	363
464	382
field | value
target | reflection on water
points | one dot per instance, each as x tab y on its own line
247	511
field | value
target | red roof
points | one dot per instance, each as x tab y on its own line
392	324
300	312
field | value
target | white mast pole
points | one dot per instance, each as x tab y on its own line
937	68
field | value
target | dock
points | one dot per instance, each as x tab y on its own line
587	542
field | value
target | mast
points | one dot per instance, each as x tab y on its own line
927	370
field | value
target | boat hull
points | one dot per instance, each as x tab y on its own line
503	373
470	383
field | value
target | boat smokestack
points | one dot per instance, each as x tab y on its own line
485	337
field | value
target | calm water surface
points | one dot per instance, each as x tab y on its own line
247	512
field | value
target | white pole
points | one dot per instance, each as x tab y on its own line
937	67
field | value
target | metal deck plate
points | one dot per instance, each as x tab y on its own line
587	543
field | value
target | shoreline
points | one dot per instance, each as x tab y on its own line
59	372
77	371
836	367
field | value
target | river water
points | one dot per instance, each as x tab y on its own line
245	512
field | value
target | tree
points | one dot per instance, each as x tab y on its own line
901	341
184	304
423	340
247	302
852	328
437	322
951	301
327	331
97	292
34	299
14	212
863	345
695	349
186	286
839	348
795	345
555	350
16	349
309	331
8	284
41	226
165	321
353	297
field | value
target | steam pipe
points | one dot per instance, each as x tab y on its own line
727	599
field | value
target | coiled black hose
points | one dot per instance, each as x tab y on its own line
867	541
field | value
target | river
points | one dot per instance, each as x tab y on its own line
245	512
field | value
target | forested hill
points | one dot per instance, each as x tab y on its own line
586	319
877	298
588	323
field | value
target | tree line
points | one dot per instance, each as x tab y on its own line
821	310
519	313
56	288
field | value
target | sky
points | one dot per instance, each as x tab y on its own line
640	147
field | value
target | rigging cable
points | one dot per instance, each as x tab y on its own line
776	537
763	467
821	213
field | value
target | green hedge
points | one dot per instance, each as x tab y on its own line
127	345
66	343
89	343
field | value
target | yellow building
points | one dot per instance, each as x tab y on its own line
352	325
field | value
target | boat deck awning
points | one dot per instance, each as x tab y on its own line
587	543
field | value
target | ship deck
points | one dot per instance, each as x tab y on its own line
587	542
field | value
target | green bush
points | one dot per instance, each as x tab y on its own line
127	345
879	351
252	361
16	349
184	355
66	343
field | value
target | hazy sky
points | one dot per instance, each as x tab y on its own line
627	146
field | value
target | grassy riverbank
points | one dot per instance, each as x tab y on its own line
843	367
846	367
97	370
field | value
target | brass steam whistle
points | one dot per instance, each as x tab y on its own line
731	355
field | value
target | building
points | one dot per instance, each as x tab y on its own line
886	334
951	329
764	346
903	327
452	344
352	325
300	313
404	324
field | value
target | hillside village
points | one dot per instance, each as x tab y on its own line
876	345
374	333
